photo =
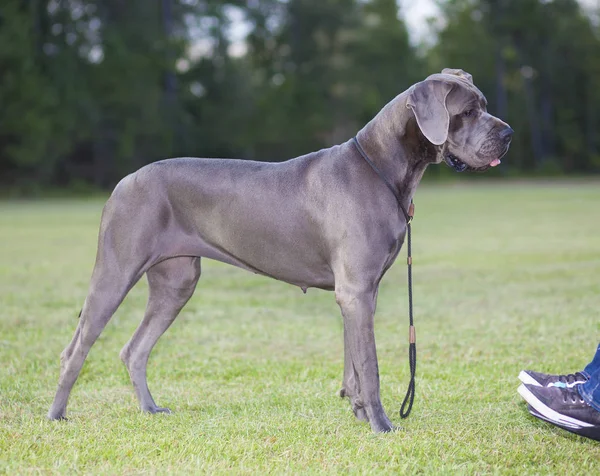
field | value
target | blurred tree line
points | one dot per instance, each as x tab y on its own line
91	90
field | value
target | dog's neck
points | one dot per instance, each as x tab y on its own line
394	142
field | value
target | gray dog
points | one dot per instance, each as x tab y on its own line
324	220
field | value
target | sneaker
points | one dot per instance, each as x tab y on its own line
538	379
589	432
564	408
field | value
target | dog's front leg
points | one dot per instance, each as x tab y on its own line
350	387
361	374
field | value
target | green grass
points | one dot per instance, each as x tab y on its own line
507	276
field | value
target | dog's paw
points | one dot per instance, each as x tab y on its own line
382	424
57	418
390	429
57	415
154	410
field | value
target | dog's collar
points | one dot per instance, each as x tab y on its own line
411	210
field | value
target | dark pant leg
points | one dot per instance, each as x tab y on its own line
590	391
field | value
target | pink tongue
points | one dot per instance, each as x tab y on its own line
495	162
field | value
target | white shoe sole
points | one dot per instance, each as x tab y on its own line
548	413
537	414
529	380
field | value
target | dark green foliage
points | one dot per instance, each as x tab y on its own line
539	64
91	90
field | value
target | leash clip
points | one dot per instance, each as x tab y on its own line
410	213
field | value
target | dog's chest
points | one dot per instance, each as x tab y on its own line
394	248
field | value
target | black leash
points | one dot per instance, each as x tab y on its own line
412	346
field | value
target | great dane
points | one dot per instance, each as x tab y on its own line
324	220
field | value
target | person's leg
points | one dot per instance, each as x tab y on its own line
590	390
594	365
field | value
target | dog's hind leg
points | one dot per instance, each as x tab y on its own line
108	288
122	258
172	283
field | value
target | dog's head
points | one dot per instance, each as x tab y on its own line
451	113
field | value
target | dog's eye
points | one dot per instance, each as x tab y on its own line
468	113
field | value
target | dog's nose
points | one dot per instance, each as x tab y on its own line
507	133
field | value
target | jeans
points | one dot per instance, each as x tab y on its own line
590	390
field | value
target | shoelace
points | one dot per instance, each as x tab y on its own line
572	396
572	378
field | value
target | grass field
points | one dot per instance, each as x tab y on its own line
507	276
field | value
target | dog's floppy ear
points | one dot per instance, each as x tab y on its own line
428	103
